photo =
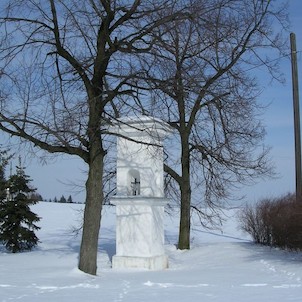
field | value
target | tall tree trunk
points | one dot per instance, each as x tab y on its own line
92	215
185	189
94	190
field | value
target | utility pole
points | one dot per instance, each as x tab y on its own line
296	117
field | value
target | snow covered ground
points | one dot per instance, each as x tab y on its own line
221	266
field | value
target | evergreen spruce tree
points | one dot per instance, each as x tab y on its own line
3	162
17	221
69	199
63	199
2	183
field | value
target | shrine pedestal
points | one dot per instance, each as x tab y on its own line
139	232
150	263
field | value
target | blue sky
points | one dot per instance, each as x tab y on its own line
59	176
278	119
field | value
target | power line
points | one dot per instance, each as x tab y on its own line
277	59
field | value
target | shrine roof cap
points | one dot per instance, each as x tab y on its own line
141	125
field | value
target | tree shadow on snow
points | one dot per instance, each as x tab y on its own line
107	241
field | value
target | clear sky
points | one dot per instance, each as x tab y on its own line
278	119
66	175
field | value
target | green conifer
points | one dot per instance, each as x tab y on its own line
3	162
69	199
63	199
17	221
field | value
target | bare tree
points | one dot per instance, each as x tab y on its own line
200	73
63	66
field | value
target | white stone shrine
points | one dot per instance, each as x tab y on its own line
140	197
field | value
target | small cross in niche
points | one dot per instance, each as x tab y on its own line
135	187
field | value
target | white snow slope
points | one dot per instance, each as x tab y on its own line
221	266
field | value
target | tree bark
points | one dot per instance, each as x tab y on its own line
94	187
185	191
92	214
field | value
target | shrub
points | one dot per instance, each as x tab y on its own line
275	222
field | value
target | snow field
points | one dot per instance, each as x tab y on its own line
223	265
